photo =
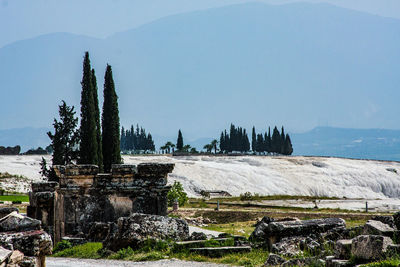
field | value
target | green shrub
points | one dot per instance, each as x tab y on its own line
177	193
248	196
122	254
62	245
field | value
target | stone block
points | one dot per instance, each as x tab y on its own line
157	170
4	211
123	169
343	249
31	243
15	222
5	255
44	186
373	227
134	230
370	247
220	251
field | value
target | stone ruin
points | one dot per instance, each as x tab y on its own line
83	197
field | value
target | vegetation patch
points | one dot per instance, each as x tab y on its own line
86	251
15	198
4	175
236	228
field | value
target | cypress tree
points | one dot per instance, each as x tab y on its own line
222	142
282	141
98	124
276	141
179	141
253	139
110	123
288	148
269	141
88	153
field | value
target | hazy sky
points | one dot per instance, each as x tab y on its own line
22	19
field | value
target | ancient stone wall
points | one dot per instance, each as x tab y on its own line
84	196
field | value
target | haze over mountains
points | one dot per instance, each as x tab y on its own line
299	65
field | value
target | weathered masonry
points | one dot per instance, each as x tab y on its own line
84	196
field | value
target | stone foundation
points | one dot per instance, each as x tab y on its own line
84	196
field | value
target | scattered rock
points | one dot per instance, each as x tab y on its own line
299	262
396	219
98	232
31	243
15	222
16	257
288	246
389	220
273	232
373	227
265	220
134	230
370	247
343	249
4	255
198	236
219	251
274	260
4	211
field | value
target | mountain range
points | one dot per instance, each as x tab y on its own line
297	65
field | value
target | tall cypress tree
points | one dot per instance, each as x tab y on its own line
88	149
288	148
253	140
179	141
110	123
222	143
276	141
98	124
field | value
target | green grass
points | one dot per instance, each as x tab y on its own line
22	198
85	251
162	250
236	228
273	197
385	263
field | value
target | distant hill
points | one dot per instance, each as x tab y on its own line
294	64
350	143
27	138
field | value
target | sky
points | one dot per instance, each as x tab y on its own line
23	19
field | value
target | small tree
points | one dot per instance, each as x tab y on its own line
65	139
214	144
177	193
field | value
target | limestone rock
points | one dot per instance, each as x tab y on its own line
377	228
31	243
4	255
274	231
343	249
4	211
396	219
370	247
198	236
134	230
16	222
299	262
389	220
98	232
28	262
274	260
16	257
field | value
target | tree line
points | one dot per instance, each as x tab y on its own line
136	140
94	142
277	143
237	141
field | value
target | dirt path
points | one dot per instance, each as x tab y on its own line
68	262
